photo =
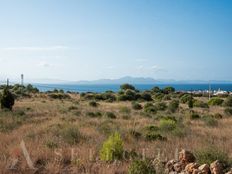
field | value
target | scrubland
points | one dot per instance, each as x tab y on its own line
107	132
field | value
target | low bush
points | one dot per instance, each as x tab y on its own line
194	116
141	167
167	125
161	106
185	98
94	114
200	104
153	136
173	106
150	108
112	148
136	106
127	86
228	102
59	96
124	110
215	101
110	115
93	104
210	121
68	132
7	99
228	111
211	154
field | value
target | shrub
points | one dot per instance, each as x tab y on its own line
194	116
68	132
211	154
185	98
156	89
127	86
173	106
228	111
93	104
215	101
200	104
110	115
59	96
228	102
125	110
146	96
7	99
167	125
94	114
136	106
141	167
150	108
112	148
210	121
153	136
161	106
107	127
168	90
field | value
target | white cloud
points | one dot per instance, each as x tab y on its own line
44	64
157	68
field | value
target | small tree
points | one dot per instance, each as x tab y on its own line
7	99
112	148
127	86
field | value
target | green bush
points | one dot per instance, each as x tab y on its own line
7	99
211	154
161	106
185	98
210	121
146	96
153	136
194	116
136	106
228	102
68	132
124	110
93	104
112	148
110	115
228	111
141	167
168	90
150	108
215	101
173	106
200	104
127	86
94	114
167	125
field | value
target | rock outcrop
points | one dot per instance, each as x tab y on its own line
186	164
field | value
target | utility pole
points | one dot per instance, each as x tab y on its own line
7	82
209	91
22	79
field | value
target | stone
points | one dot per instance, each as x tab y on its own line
178	167
205	169
186	157
216	168
170	165
191	167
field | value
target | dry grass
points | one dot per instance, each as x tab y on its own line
46	146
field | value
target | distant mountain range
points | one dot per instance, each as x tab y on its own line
126	79
148	80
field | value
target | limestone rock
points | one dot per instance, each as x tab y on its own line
191	167
205	169
216	167
186	157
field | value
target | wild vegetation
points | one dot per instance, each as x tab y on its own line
129	131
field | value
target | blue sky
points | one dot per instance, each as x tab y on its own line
94	39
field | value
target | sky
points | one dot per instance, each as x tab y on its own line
94	39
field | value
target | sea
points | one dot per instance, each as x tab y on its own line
142	87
